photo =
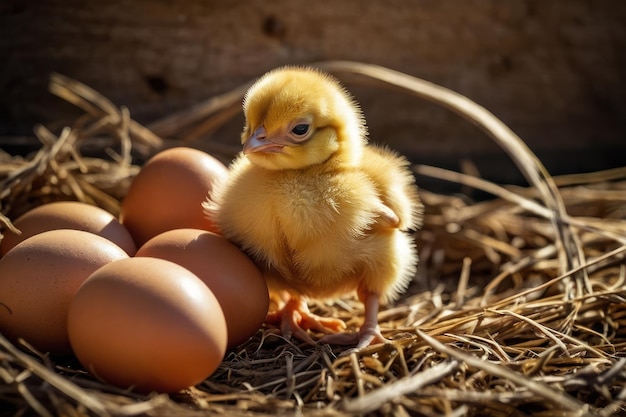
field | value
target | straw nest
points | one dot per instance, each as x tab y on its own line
518	308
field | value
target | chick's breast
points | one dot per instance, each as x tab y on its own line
308	229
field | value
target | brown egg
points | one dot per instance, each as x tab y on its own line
38	279
227	271
69	215
168	193
148	324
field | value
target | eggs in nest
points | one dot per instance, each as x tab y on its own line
154	320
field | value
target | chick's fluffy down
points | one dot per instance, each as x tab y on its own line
320	232
322	214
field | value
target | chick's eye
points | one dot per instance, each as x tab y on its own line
300	129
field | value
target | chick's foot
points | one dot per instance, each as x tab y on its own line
368	334
295	319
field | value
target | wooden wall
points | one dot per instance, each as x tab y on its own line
552	70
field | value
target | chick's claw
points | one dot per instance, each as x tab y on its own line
295	319
369	334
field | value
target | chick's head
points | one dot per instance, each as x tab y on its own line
297	117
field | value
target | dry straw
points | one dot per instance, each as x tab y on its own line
518	308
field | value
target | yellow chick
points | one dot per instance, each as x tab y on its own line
320	211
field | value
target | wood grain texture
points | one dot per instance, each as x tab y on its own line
552	71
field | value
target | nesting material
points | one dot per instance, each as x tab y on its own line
518	308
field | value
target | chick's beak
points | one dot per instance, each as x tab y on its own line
259	142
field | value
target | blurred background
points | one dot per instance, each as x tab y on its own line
552	71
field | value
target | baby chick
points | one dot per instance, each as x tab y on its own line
321	212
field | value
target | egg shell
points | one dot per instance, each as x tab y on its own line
38	279
168	193
230	274
69	215
147	324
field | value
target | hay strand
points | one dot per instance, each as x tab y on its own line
518	307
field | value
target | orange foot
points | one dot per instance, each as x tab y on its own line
295	318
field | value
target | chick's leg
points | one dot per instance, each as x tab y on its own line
295	318
368	334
